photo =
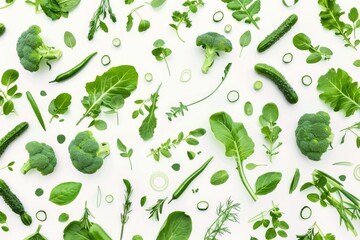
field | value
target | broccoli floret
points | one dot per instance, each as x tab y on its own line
41	157
313	134
31	49
213	43
86	153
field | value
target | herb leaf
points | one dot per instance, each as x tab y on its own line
65	193
294	181
245	40
69	39
59	105
244	10
267	182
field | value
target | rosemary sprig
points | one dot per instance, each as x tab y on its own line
126	206
96	21
227	212
156	209
176	111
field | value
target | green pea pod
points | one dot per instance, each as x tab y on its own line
35	109
73	71
96	232
188	180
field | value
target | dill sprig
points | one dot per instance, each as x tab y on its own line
126	206
227	212
96	21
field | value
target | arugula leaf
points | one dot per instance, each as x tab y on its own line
330	19
244	10
236	141
148	125
129	23
59	105
117	81
339	91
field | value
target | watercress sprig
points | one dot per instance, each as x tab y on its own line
183	17
143	24
160	52
315	233
9	92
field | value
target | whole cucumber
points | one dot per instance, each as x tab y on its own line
280	81
273	37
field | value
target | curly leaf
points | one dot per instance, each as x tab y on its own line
339	91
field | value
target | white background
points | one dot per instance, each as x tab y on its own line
136	50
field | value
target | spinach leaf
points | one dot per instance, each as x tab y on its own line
69	39
267	182
117	81
59	105
339	91
177	226
220	177
74	231
236	141
65	193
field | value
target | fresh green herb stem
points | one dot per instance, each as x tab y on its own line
126	207
250	16
180	190
240	168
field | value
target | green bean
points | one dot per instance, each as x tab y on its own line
73	71
188	180
35	109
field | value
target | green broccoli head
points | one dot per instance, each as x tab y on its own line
41	157
213	43
313	134
31	49
86	153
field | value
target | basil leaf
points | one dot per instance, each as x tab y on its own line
65	193
245	39
177	226
267	182
219	177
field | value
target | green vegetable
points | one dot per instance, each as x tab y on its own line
245	40
213	43
148	77
36	109
244	10
69	39
315	234
183	17
178	225
227	28
12	135
156	209
176	111
143	201
287	58
9	93
137	237
339	91
176	167
164	149
267	183
8	4
218	16
143	24
41	158
116	42
54	9
31	49
84	229
183	186
109	90
248	108
220	177
330	19
270	114
36	235
233	96
96	22
2	28
61	138
160	52
202	205
273	37
64	193
86	153
227	212
109	198
258	85
41	215
148	125
9	166
125	153
280	81
288	5
63	217
252	166
73	71
313	134
236	141
278	227
303	42
333	194
294	181
164	181
14	203
3	219
126	206
306	80
157	3
356	63
59	105
105	60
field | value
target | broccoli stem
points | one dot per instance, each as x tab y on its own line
104	150
210	54
26	167
49	53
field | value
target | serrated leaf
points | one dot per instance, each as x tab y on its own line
339	91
